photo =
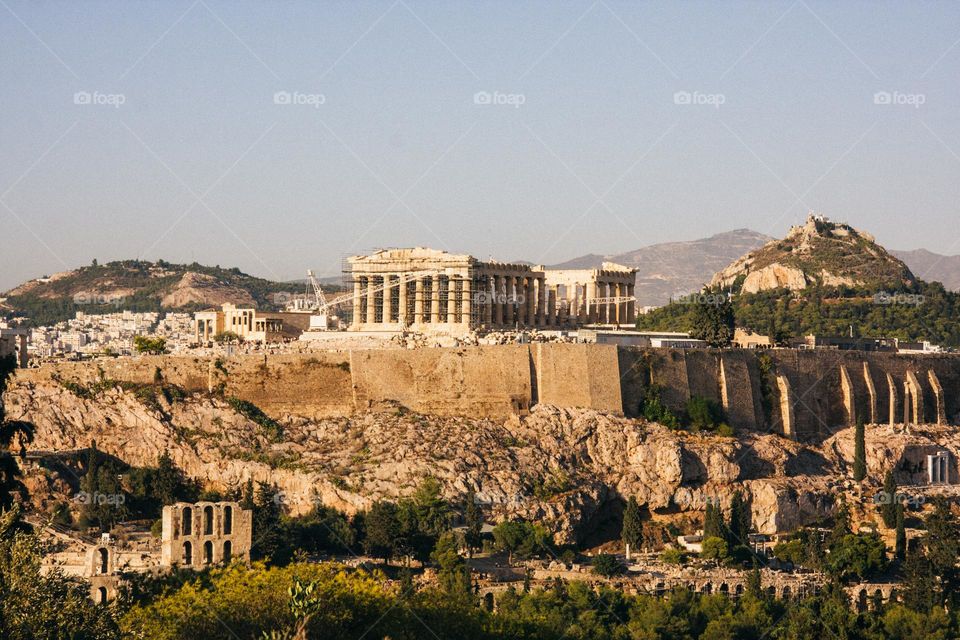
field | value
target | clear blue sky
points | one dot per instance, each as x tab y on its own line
200	163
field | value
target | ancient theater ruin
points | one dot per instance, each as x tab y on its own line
429	290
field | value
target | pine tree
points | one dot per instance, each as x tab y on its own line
888	508
901	544
860	453
632	530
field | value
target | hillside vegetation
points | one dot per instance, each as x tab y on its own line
827	279
137	285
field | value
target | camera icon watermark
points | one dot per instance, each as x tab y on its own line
282	298
498	297
295	98
710	299
97	498
883	497
83	298
896	98
95	98
515	100
906	299
698	98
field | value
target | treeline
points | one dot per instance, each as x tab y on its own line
928	312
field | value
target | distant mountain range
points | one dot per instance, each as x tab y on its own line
672	269
930	266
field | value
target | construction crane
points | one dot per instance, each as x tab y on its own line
322	319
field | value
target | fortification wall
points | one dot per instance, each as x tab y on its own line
803	394
485	381
578	375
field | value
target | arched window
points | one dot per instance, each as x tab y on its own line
208	520
227	520
207	552
187	525
786	593
102	595
104	557
187	553
227	551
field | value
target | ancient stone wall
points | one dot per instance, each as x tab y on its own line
802	394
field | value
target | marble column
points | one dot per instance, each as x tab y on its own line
486	301
618	292
402	300
520	299
532	301
590	302
551	302
466	301
498	297
451	300
357	295
509	302
631	305
435	300
371	302
387	287
418	301
541	302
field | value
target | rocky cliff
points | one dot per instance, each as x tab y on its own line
567	467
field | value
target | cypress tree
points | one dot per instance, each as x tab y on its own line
860	453
632	530
901	544
740	520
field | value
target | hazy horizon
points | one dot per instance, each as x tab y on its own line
278	138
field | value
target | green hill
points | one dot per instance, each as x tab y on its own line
138	285
826	279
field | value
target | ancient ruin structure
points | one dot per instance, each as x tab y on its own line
198	535
430	290
13	342
248	323
938	468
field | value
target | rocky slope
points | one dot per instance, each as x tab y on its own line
829	253
564	467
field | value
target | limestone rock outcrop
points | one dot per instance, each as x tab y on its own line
565	467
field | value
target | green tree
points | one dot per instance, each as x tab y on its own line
607	565
152	346
714	548
713	319
901	536
473	520
740	519
382	530
632	530
42	604
860	453
713	526
452	570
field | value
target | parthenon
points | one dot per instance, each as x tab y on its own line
427	289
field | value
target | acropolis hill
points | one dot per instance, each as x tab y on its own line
358	425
